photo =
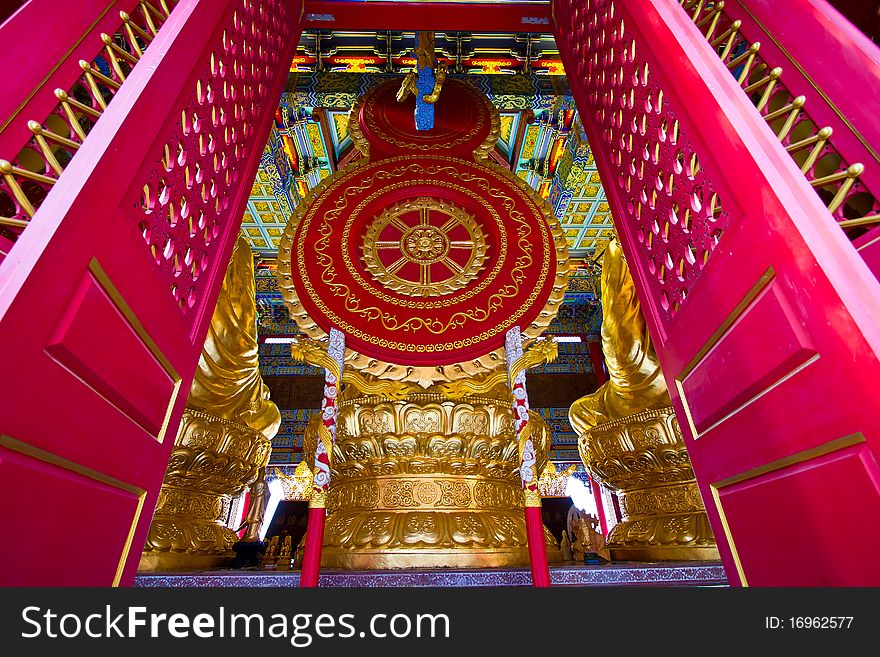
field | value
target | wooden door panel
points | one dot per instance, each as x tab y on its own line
765	319
817	512
779	348
46	492
143	385
106	296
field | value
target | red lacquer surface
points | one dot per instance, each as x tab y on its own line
462	121
105	297
764	316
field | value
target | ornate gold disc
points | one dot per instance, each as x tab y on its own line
424	247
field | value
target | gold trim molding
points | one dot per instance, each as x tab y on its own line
773	466
122	305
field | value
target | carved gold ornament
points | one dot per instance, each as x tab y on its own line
406	318
213	461
643	457
426	481
442	264
443	174
553	483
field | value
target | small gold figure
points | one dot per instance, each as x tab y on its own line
298	553
596	539
259	500
269	556
284	556
565	546
587	540
577	548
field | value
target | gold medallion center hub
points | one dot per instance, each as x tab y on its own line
424	247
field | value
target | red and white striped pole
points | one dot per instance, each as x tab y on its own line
311	566
528	460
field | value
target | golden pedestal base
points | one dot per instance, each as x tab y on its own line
428	482
213	461
166	562
419	558
644	459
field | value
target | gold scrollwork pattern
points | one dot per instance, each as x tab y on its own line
644	458
437	174
213	461
405	168
438	485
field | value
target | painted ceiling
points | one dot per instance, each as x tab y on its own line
541	136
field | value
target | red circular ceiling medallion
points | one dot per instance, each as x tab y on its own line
425	260
424	254
464	120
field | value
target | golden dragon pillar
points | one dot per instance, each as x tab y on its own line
225	435
630	440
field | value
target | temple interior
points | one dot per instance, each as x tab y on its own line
570	293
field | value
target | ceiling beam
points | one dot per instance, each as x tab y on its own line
436	16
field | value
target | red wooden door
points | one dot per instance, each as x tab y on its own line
766	320
106	293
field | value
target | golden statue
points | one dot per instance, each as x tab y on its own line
228	382
258	501
224	440
271	552
630	440
635	380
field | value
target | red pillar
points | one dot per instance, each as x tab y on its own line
600	507
245	503
311	567
597	359
531	495
537	546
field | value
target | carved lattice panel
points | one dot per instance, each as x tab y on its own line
676	213
185	203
